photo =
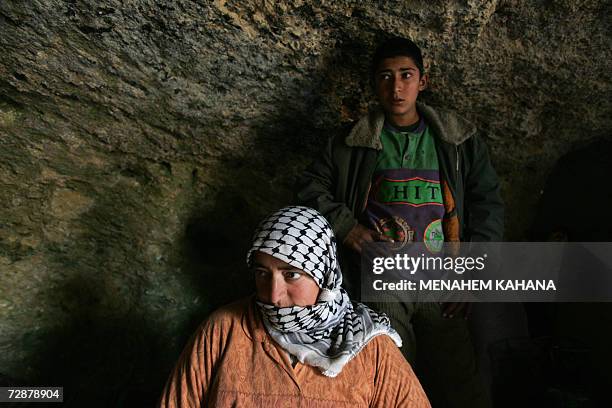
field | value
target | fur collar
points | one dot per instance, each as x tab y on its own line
446	125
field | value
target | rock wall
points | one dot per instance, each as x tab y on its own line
141	142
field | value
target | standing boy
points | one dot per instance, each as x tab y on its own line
412	173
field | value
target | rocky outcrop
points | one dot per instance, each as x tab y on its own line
141	142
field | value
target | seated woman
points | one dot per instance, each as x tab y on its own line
299	342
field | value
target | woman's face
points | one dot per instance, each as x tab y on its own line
282	285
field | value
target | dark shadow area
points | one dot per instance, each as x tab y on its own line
100	361
576	200
214	246
545	372
566	360
334	94
107	346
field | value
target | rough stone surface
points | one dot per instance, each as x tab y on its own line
141	141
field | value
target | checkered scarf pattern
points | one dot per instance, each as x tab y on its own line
331	332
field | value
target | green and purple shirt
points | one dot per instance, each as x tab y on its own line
405	201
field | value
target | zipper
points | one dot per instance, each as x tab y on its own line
457	181
457	152
367	194
365	202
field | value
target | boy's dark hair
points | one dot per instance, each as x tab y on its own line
397	47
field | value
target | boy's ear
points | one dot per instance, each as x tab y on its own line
423	81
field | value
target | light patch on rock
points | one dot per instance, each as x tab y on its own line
69	204
47	173
7	117
237	20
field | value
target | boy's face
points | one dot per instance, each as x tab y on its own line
398	83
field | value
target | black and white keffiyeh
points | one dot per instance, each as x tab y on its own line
331	332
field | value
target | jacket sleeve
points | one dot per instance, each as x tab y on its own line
395	384
484	206
316	186
191	378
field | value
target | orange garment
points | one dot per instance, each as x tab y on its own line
231	361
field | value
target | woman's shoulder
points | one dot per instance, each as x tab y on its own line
226	317
382	343
382	350
233	310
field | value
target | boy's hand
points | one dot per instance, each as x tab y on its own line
456	309
359	235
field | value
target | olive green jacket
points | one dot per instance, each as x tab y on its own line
338	181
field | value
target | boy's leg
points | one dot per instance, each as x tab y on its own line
446	364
